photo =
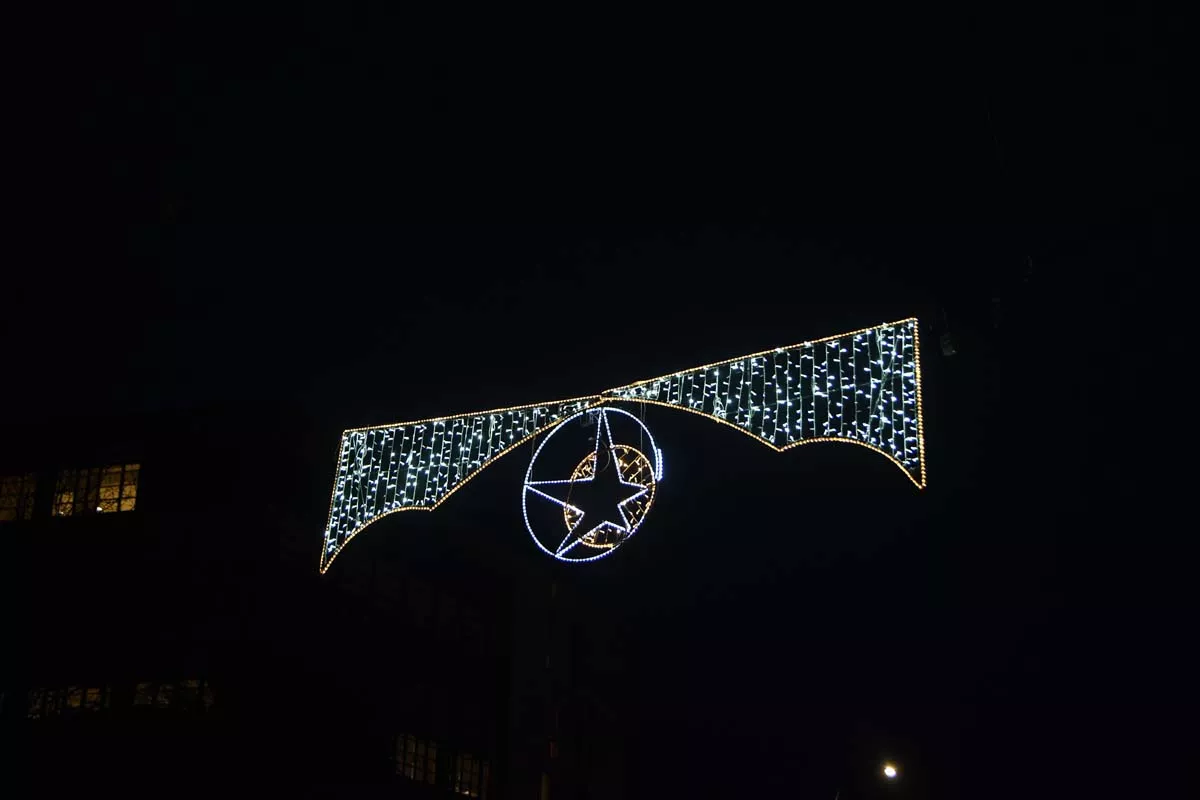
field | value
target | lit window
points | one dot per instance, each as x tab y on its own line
43	703
416	759
97	490
188	695
189	692
470	776
406	755
144	694
36	697
208	696
16	496
54	702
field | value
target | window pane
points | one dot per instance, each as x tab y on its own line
410	755
129	488
92	699
209	697
16	496
74	696
470	774
64	504
188	693
166	693
36	698
86	499
94	490
64	493
144	695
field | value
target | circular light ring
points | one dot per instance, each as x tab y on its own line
526	488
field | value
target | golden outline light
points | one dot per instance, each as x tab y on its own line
920	415
453	417
652	486
790	445
610	396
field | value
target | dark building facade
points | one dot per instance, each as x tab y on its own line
169	630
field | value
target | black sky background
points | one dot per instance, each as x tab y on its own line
357	220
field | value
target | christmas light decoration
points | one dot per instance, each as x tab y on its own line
861	387
631	470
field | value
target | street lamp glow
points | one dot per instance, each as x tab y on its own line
889	771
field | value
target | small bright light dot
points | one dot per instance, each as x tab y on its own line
889	771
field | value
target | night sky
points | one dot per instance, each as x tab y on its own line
356	221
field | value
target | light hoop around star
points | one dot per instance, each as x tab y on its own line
579	539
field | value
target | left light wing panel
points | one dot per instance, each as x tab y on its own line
416	465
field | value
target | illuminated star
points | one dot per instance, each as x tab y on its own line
597	498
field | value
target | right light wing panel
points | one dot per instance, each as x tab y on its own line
862	387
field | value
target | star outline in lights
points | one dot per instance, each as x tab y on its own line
578	533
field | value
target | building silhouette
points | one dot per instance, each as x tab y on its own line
174	636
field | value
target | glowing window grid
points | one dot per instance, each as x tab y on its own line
97	490
17	496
